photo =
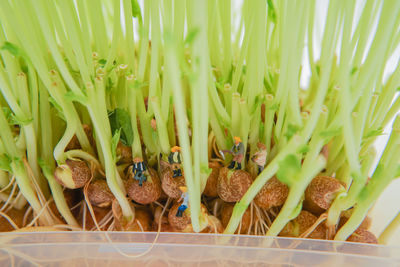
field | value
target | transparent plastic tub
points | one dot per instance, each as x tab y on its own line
179	249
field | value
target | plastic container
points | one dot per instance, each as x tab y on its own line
179	249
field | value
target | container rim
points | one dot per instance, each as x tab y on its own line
152	239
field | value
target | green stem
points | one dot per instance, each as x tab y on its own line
155	52
97	23
180	112
145	126
295	141
390	230
312	165
161	126
58	196
98	113
290	209
144	41
136	145
48	162
269	121
217	129
258	183
112	52
32	156
369	195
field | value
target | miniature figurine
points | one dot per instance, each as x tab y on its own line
174	159
237	151
185	203
260	157
139	169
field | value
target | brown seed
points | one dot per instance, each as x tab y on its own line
150	190
16	215
171	185
226	214
99	194
363	236
74	143
233	184
272	194
320	193
163	196
214	226
124	154
99	214
301	224
165	226
179	223
365	225
73	174
212	181
157	216
164	166
140	223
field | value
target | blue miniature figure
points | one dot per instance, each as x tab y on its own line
139	169
185	203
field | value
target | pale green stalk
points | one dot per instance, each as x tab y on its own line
155	35
181	119
390	230
97	23
19	171
352	140
98	113
136	145
313	163
48	161
199	93
161	125
297	140
112	52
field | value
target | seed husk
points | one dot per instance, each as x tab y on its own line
214	225
165	226
99	194
320	193
226	213
140	223
124	154
99	214
366	223
302	223
150	190
169	184
272	194
233	184
74	143
16	215
178	223
73	174
363	236
212	181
